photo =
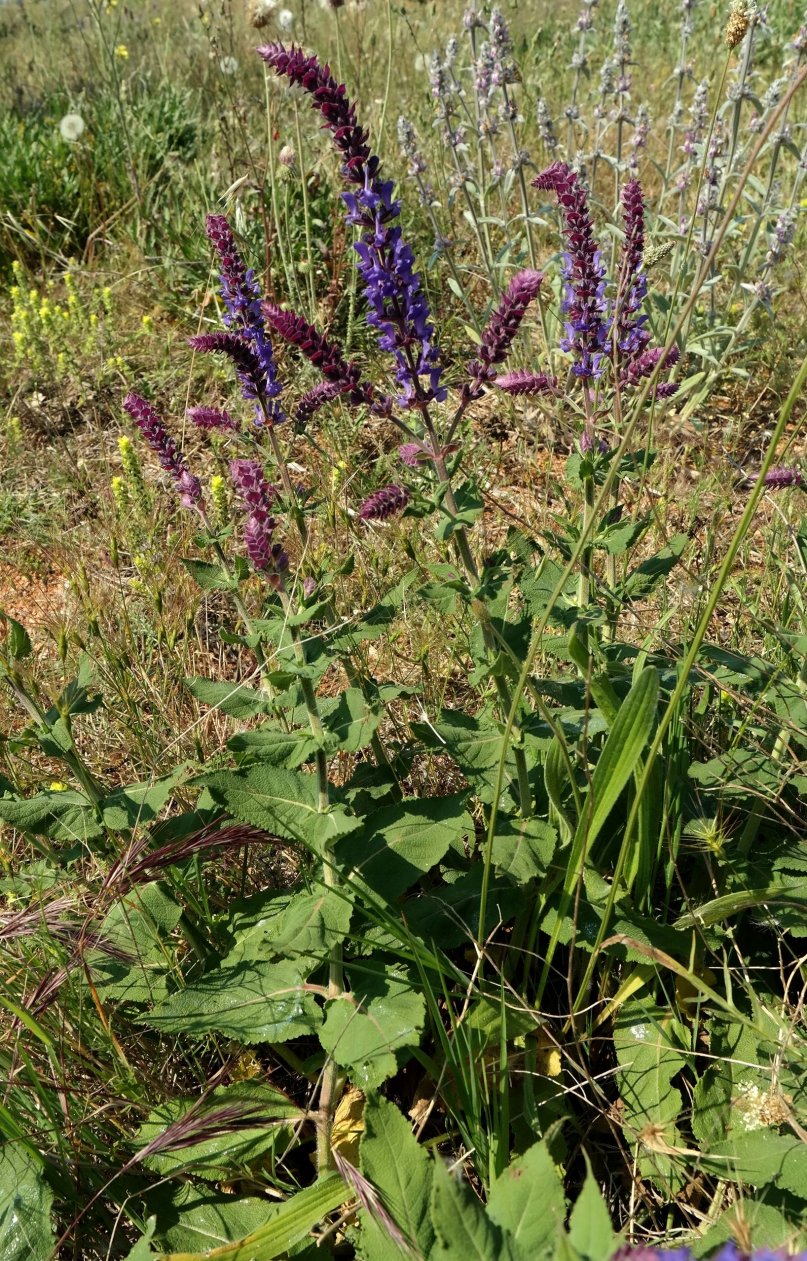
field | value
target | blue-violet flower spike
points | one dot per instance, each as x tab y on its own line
398	310
584	304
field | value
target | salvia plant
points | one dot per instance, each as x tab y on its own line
492	1008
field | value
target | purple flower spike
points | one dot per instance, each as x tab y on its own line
257	496
631	335
242	298
398	309
502	328
386	502
584	305
523	382
316	398
251	371
324	355
165	448
782	477
211	418
644	366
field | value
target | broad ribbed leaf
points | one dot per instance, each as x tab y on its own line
527	1202
401	1170
399	843
278	926
285	803
383	1012
250	1002
463	1229
235	699
26	1233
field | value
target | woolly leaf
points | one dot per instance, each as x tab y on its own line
401	1171
527	1201
384	1011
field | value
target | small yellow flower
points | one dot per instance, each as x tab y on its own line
156	21
58	787
148	323
122	51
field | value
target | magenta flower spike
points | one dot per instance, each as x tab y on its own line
525	382
631	335
165	448
257	496
211	418
398	310
326	356
502	328
782	477
384	503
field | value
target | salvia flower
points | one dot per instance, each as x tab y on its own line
315	398
782	477
211	418
398	308
546	128
165	448
324	354
257	497
248	366
630	333
384	503
502	328
644	366
584	305
242	299
525	382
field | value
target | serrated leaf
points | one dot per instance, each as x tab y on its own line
463	1230
17	641
523	848
26	1230
235	699
63	816
350	726
399	843
271	744
280	926
285	803
226	1154
383	1012
264	1002
648	1062
208	576
590	1231
528	1203
137	927
138	804
449	915
475	745
401	1171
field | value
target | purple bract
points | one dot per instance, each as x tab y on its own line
502	328
385	503
165	448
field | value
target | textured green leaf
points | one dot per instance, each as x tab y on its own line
271	744
400	843
26	1232
401	1171
250	1002
527	1202
523	848
288	1223
142	1250
139	925
350	726
138	804
463	1229
285	803
474	744
282	926
761	1157
229	1153
209	576
235	699
449	916
648	1062
63	816
383	1012
590	1231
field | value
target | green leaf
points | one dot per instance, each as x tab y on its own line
18	641
235	699
138	804
590	1231
63	816
138	926
142	1249
626	740
288	1224
399	843
464	1231
401	1171
350	726
273	745
209	576
285	803
761	1158
374	623
527	1202
648	1062
26	1232
280	926
523	848
470	506
384	1011
643	580
226	1154
251	1002
474	744
449	916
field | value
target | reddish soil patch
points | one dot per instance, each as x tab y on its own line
34	599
